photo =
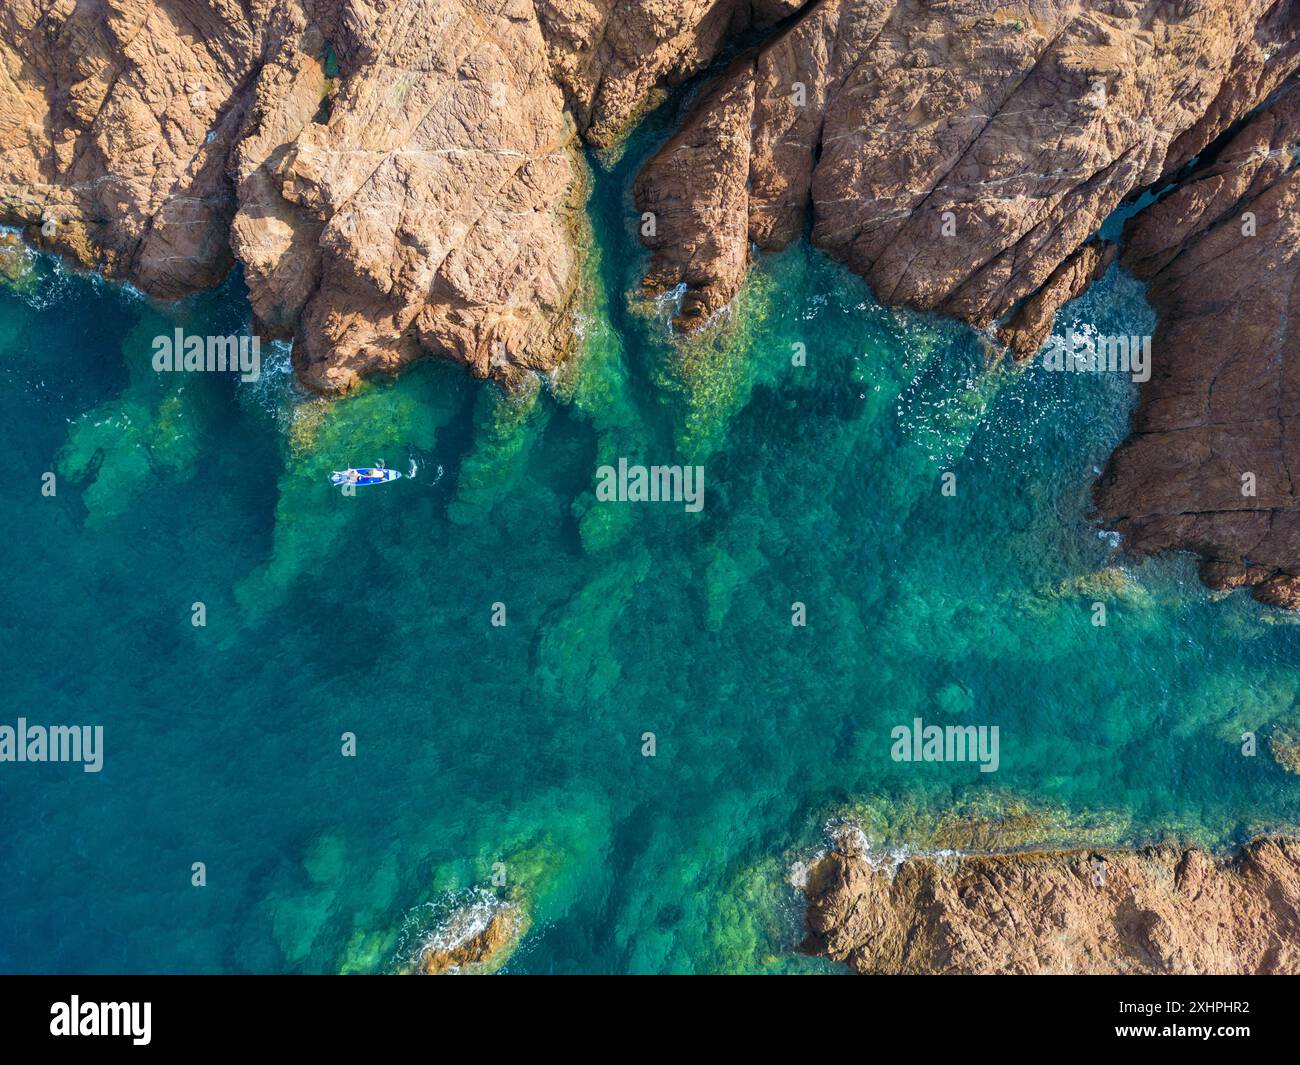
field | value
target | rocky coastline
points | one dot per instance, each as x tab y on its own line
400	180
1165	909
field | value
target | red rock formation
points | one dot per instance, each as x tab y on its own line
688	195
1031	324
959	156
425	203
615	59
116	123
1158	910
1210	464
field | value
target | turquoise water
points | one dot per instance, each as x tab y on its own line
522	744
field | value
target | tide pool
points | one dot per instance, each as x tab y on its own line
505	761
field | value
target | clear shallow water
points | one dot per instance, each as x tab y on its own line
522	744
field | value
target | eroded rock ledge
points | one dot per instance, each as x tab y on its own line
1157	910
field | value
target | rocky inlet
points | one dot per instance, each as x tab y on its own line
403	180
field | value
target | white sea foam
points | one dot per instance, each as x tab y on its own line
274	390
447	922
800	869
883	858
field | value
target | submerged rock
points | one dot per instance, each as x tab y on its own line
1285	745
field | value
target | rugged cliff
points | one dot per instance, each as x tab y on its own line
1210	465
1160	910
397	177
958	155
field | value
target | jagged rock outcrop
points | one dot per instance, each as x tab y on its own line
116	120
959	156
1210	465
438	183
414	203
422	198
1157	910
